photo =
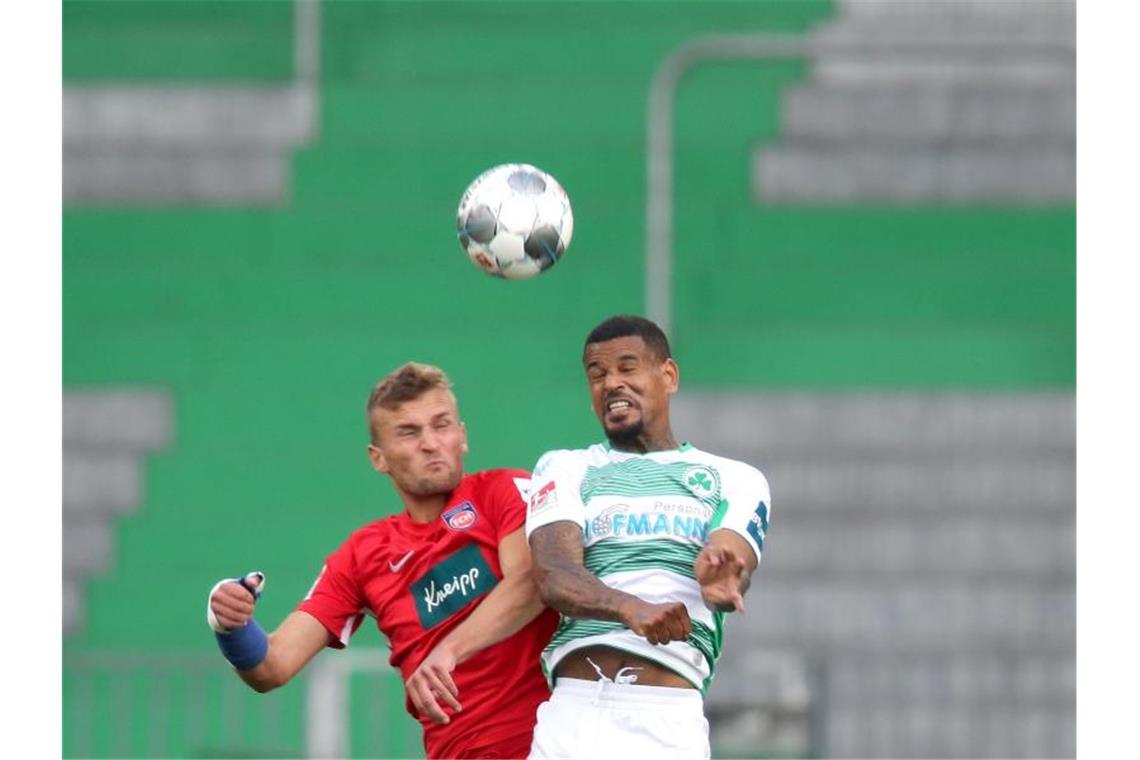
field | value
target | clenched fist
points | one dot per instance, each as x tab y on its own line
231	602
658	623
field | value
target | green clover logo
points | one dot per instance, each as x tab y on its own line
702	482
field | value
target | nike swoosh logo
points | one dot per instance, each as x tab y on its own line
395	566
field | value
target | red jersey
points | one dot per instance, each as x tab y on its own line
419	581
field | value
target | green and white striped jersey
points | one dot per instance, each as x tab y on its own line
644	519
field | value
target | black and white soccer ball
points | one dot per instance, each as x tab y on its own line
514	221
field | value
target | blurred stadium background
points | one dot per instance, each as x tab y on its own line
872	298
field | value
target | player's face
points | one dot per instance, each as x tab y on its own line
630	388
421	444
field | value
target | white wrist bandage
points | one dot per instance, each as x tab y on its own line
254	582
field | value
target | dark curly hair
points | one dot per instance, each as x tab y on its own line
626	325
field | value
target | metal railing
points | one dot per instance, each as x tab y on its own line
659	253
346	704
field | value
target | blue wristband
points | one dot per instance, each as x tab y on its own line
244	647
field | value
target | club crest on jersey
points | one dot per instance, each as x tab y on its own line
461	517
543	498
702	482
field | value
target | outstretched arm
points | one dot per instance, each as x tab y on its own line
296	641
566	585
724	569
287	650
507	608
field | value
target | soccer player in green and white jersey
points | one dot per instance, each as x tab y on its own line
642	544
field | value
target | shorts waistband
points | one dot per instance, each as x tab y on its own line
629	693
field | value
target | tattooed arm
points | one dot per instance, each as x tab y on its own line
566	585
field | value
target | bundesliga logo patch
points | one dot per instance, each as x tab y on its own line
543	498
461	517
523	486
758	525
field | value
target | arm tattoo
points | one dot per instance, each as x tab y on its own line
563	581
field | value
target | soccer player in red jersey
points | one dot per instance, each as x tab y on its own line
448	581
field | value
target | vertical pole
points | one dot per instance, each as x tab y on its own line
306	41
326	711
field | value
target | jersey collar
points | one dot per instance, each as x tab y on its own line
685	446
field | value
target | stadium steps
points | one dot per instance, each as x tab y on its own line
861	487
964	729
94	482
879	424
117	419
1030	18
88	544
956	678
930	115
983	174
848	617
977	703
107	434
840	65
920	565
183	145
949	545
916	102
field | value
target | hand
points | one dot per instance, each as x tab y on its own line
432	680
719	571
232	602
659	623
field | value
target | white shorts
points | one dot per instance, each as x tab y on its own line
587	719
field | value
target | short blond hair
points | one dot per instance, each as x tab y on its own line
403	384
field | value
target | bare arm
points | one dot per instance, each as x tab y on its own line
511	604
563	581
296	641
507	608
566	585
724	569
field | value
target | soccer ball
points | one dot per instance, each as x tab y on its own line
514	221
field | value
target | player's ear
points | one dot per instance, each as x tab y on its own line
463	437
672	375
377	457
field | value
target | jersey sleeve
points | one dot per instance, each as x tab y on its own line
745	507
510	491
335	599
554	492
